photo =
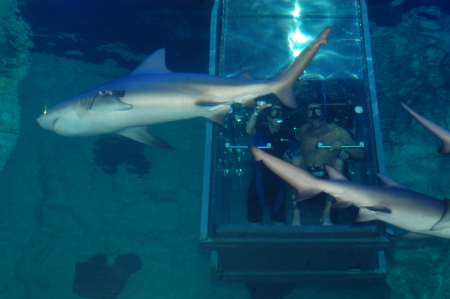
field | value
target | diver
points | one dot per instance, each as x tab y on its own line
266	188
313	159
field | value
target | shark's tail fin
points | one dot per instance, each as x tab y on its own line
306	184
440	132
282	85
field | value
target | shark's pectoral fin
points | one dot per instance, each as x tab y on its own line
303	194
141	134
370	213
378	209
364	215
334	174
390	183
110	101
216	112
444	222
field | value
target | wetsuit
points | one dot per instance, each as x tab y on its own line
266	188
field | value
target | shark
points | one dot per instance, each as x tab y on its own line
152	94
393	203
438	131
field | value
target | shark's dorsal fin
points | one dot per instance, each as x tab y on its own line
156	62
390	183
334	174
445	219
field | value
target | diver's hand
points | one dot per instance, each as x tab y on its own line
336	145
261	105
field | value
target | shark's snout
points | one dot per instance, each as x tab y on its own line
47	122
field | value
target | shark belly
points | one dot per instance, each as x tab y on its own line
148	107
408	210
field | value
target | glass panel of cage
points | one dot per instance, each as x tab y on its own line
263	37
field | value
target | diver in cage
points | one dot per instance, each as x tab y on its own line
266	188
313	159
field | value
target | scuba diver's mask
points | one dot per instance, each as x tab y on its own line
315	113
276	114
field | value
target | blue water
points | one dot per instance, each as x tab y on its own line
175	25
385	14
65	199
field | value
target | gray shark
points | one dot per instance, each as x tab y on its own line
152	94
438	131
395	204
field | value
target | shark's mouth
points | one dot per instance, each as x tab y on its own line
54	124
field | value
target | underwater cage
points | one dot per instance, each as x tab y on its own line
263	37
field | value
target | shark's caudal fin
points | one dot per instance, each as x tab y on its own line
438	131
283	83
306	184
